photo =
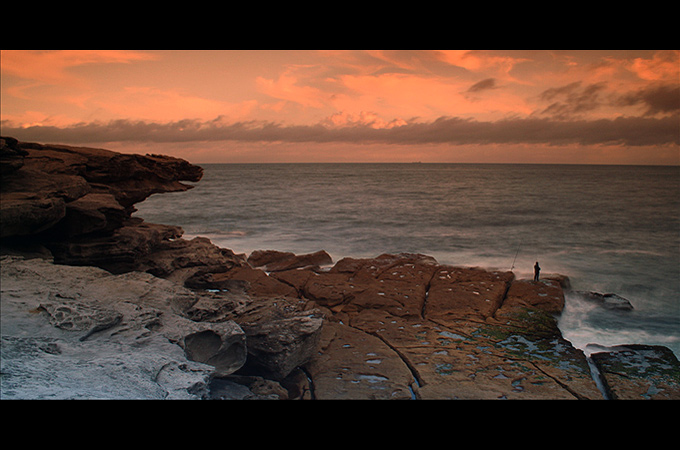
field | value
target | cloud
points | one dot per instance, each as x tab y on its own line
364	118
628	131
52	66
489	83
572	100
288	88
663	66
657	99
477	60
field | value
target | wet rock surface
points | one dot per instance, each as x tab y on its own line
639	372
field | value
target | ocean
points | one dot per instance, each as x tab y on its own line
611	229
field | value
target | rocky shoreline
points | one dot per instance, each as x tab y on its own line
98	304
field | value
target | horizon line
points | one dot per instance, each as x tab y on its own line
444	162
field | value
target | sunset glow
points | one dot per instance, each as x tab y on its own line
504	106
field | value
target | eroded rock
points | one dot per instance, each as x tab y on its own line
89	334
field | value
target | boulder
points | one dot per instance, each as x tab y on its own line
280	339
275	261
260	258
282	333
608	301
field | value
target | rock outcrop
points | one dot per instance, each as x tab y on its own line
78	202
608	301
103	305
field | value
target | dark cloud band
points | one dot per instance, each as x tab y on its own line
629	131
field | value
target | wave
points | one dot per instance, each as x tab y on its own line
220	233
585	323
629	252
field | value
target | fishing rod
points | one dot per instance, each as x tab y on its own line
516	253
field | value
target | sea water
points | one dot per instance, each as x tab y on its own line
611	229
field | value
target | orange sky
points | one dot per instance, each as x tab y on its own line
539	106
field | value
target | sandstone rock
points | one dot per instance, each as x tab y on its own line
282	332
120	251
11	155
460	346
296	278
78	201
471	360
353	365
546	295
129	177
396	283
260	258
239	387
466	292
561	279
242	387
254	281
56	369
180	259
92	213
639	372
275	261
332	290
27	216
80	332
220	345
279	343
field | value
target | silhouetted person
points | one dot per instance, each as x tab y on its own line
537	270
